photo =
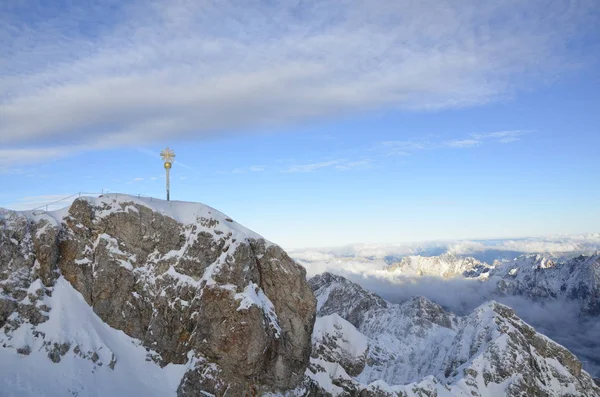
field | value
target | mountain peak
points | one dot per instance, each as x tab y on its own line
181	279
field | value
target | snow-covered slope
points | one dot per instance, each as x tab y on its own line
75	353
417	348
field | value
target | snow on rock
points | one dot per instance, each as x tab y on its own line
534	276
75	353
182	278
446	265
338	341
538	277
418	349
254	296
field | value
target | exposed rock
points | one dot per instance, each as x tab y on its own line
337	341
416	348
351	302
180	277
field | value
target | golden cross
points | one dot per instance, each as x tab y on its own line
167	155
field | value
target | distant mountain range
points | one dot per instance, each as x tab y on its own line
533	276
363	345
560	297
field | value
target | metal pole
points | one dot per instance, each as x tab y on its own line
168	185
168	155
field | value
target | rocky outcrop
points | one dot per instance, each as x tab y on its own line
337	341
180	277
350	302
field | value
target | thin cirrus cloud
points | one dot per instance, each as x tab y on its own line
245	170
499	136
145	71
338	164
464	143
404	148
313	166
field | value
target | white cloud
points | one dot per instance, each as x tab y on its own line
312	166
244	170
16	156
464	143
404	148
502	136
361	164
181	69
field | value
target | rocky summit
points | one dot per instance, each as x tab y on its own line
120	295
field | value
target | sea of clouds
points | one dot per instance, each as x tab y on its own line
560	320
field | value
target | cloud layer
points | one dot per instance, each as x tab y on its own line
366	265
109	75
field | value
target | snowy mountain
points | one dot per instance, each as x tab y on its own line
370	257
446	265
119	295
533	276
538	277
373	347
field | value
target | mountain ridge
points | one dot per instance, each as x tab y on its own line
181	278
489	352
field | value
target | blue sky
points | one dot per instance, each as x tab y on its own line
313	123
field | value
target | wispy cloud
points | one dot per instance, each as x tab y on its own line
28	155
339	164
404	148
502	136
190	70
361	164
499	136
244	170
312	166
463	143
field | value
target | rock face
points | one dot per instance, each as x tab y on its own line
184	279
418	349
